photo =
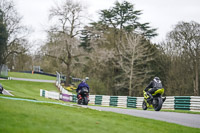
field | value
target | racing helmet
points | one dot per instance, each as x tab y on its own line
157	79
84	80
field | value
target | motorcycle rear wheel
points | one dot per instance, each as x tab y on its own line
85	101
79	101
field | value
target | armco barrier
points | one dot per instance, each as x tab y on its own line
131	102
98	100
105	101
122	101
74	98
65	97
92	99
113	100
139	102
195	103
49	94
42	92
182	102
171	102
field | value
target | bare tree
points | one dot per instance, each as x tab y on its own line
133	42
135	56
67	16
186	37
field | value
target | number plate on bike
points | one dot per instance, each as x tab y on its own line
85	89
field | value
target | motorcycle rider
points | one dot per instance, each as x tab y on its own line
155	84
81	85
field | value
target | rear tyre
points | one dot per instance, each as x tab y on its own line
157	104
79	101
85	101
144	105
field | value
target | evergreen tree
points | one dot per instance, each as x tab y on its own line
85	40
124	17
129	68
3	38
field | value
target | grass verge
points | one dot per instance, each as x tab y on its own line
26	89
29	117
30	76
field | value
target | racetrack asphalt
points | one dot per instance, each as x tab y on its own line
33	80
190	120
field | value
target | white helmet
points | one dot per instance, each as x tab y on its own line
86	78
157	79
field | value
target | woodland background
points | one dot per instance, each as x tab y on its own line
115	52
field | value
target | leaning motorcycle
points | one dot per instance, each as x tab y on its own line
83	97
155	103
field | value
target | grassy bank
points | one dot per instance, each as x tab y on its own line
27	89
30	76
28	117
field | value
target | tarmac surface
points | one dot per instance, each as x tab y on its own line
190	120
33	80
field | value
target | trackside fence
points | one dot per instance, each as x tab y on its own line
172	102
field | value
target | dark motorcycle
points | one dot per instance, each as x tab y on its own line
1	89
155	103
83	97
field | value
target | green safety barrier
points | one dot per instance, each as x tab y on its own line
43	93
98	100
182	102
74	98
131	102
113	100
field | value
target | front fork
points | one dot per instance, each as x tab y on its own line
149	105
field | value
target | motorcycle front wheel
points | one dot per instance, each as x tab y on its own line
157	104
144	105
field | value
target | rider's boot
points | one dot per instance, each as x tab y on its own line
164	99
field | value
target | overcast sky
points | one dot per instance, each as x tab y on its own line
162	14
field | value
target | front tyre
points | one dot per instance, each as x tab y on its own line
144	105
157	104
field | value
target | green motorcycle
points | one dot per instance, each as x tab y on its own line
155	103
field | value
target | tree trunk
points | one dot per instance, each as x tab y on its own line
131	76
68	63
196	88
68	75
130	86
